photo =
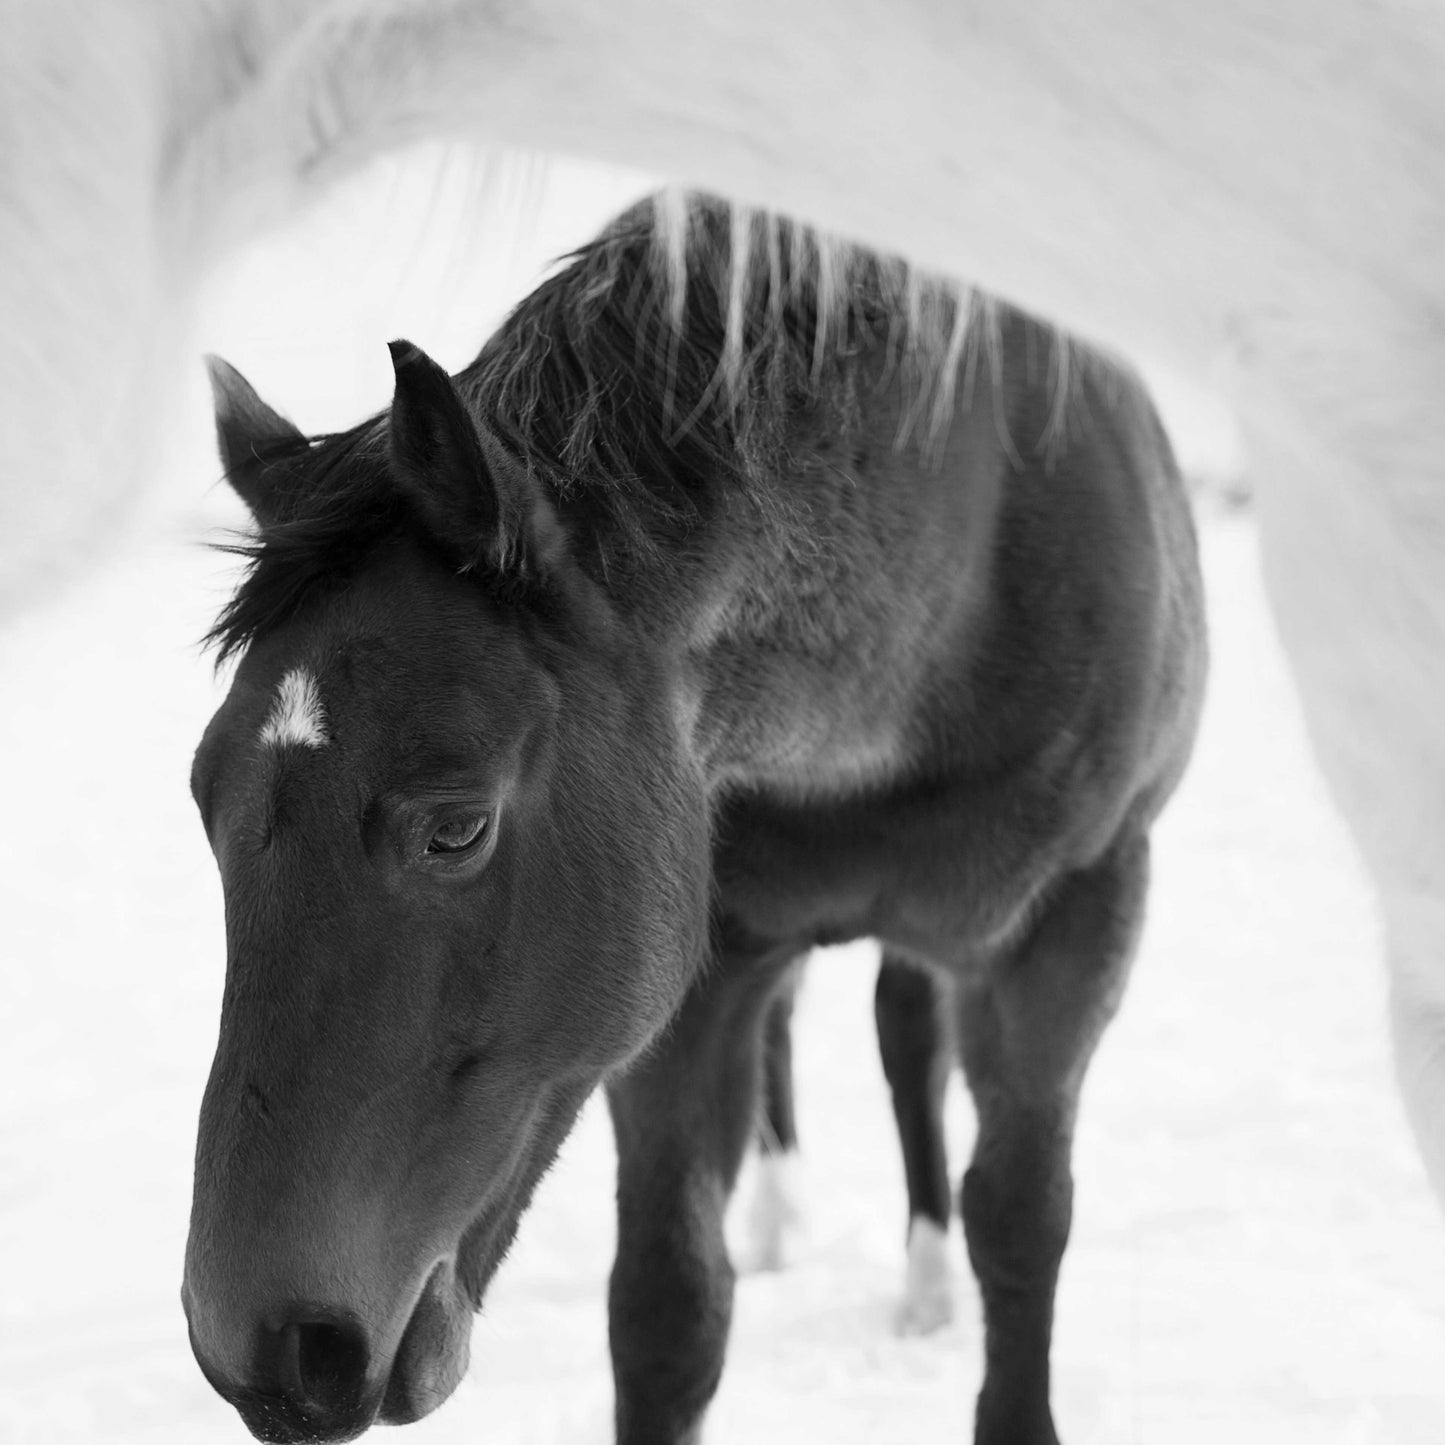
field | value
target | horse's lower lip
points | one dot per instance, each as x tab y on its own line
279	1421
434	1351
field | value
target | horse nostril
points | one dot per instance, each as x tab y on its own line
323	1364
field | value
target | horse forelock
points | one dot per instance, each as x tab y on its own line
335	501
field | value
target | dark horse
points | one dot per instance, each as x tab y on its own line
714	612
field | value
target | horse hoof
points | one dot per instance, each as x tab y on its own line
927	1303
773	1225
924	1315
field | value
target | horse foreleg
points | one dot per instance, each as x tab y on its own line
1027	1029
683	1116
913	1042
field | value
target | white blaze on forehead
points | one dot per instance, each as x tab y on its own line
297	715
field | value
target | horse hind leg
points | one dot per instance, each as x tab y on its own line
917	1054
772	1220
1028	1025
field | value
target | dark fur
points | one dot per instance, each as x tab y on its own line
775	610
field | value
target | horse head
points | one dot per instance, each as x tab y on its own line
464	852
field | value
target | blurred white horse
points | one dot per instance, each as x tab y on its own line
1260	185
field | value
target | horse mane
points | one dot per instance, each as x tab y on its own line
663	362
690	323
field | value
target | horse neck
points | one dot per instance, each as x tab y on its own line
805	613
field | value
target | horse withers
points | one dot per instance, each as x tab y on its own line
714	612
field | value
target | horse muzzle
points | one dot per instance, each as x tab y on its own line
307	1372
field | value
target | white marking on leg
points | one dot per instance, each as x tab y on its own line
774	1218
297	715
927	1303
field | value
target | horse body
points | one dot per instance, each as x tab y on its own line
581	694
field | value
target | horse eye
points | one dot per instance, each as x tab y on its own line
458	834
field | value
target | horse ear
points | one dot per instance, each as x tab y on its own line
473	498
250	435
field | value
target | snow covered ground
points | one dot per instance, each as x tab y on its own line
1255	1257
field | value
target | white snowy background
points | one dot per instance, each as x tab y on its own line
1255	1256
